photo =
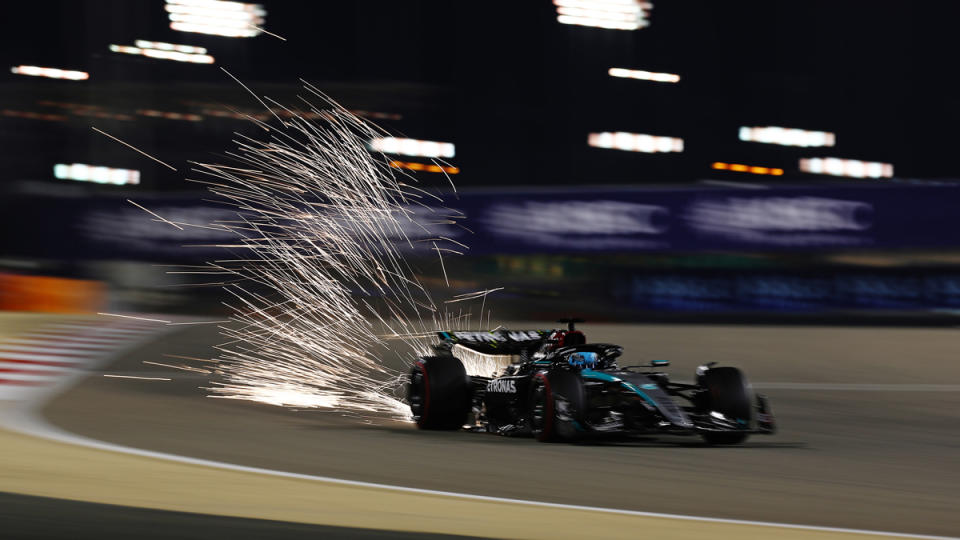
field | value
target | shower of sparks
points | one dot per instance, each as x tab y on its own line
155	215
269	33
134	148
442	267
323	301
191	358
137	378
182	367
472	296
252	93
195	322
132	317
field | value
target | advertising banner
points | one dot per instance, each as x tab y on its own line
694	220
689	220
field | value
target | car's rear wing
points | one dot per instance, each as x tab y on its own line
496	339
482	364
486	353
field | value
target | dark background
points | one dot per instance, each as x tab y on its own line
516	91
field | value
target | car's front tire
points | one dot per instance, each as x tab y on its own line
439	393
727	392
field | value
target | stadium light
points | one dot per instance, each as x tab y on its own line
189	49
739	167
215	17
847	167
643	75
787	136
95	174
413	147
52	73
414	166
164	54
635	142
612	14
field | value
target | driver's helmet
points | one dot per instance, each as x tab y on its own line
583	359
567	338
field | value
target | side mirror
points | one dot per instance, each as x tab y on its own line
659	363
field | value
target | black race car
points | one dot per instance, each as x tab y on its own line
555	386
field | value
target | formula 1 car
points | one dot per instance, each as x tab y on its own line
555	386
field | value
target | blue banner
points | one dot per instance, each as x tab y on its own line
694	220
784	291
685	220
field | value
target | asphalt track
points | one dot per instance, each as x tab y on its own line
26	517
869	432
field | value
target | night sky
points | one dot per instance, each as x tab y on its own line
516	91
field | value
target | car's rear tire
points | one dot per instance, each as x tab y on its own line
729	393
439	393
557	402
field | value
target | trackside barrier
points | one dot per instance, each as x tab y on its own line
50	294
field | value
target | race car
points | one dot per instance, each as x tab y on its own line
555	386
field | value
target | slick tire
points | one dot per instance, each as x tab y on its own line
728	392
439	393
557	401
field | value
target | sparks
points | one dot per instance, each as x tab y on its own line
134	317
268	33
137	378
322	299
155	215
134	148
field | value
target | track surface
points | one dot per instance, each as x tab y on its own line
26	517
877	458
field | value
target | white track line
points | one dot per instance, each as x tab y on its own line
31	423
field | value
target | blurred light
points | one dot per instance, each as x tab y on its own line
33	115
212	30
635	142
52	73
787	136
612	14
65	105
84	109
228	19
164	54
170	115
644	75
237	115
377	115
189	49
414	166
284	113
738	167
98	175
847	167
97	112
413	147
